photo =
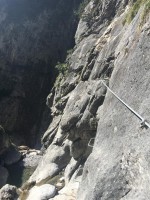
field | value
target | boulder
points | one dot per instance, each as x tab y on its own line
8	192
46	173
55	159
68	192
43	192
31	160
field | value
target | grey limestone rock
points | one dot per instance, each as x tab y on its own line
31	160
52	130
43	192
55	159
44	173
8	192
70	169
118	168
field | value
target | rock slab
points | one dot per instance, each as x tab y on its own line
43	192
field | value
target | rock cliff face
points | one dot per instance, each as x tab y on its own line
112	45
112	48
34	36
9	154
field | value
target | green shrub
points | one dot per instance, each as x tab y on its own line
62	68
135	8
133	11
146	10
81	8
69	52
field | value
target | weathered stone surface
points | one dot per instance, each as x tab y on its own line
73	110
80	56
3	176
55	159
73	175
93	58
70	169
8	192
52	130
45	173
31	160
79	118
69	192
118	167
43	192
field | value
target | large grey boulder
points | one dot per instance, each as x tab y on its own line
43	192
55	159
8	192
42	175
31	160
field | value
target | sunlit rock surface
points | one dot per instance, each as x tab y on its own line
94	142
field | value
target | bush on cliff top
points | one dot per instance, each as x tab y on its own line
135	8
81	8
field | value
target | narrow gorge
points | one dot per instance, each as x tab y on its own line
61	64
34	36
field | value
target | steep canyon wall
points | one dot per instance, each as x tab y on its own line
34	36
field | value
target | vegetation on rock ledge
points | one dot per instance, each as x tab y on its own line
135	8
81	8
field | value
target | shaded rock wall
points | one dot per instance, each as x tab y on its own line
4	140
34	35
9	154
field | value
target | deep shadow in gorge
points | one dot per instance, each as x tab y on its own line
34	36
